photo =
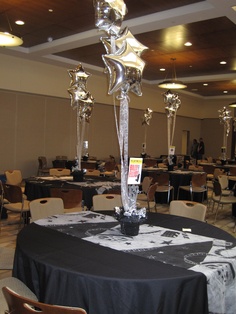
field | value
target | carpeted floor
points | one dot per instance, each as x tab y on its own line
6	257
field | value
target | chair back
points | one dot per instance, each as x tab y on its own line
199	179
45	207
151	192
12	193
59	172
42	162
14	177
110	166
232	171
93	172
150	162
217	188
209	169
163	179
21	305
188	209
217	172
72	198
147	181
106	202
224	181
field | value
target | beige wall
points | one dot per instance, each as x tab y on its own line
36	117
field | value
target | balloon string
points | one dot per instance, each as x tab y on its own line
80	137
122	134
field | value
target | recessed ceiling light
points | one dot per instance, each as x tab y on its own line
50	10
162	69
188	44
205	84
223	62
225	92
19	22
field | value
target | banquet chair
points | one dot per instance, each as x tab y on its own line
150	202
2	202
219	198
16	202
22	305
42	166
14	177
232	171
106	202
188	209
16	285
224	183
58	172
92	172
163	180
45	207
72	198
150	162
197	185
147	181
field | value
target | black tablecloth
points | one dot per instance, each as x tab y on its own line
177	178
63	269
41	188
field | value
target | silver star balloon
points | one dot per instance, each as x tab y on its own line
125	70
76	93
147	116
125	36
109	15
78	76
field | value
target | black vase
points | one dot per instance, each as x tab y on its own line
170	167
78	175
129	227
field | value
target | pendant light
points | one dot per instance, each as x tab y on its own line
8	39
172	83
233	104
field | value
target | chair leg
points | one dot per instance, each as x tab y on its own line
217	212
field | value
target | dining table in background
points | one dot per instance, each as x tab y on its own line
174	265
177	177
39	187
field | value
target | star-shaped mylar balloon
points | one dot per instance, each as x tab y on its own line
77	93
119	41
125	70
78	76
134	43
147	116
109	15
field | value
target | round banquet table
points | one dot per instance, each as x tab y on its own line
63	269
35	188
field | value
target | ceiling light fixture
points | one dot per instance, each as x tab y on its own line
8	39
172	83
233	105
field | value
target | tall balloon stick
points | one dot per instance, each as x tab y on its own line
83	102
124	66
173	103
225	118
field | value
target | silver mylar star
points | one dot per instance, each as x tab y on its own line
78	76
125	70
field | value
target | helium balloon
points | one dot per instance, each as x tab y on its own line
109	15
147	116
79	76
125	69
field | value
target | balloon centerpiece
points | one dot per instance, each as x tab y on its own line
225	118
124	66
173	103
82	101
147	116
